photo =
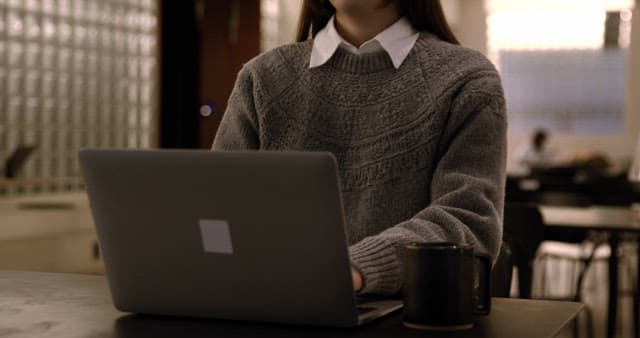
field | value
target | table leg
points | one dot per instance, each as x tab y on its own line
614	240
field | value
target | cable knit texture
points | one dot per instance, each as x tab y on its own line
421	149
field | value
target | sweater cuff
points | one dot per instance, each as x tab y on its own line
377	262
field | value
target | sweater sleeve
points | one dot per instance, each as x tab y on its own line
238	129
467	190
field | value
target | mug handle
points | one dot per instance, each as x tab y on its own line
483	307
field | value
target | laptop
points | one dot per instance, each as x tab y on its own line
255	236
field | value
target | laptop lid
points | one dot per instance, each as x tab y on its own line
236	235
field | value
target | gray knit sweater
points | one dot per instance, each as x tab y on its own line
420	149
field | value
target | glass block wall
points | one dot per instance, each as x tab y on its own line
74	74
568	75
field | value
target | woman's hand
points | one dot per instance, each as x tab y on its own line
357	279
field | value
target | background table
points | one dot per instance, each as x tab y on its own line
68	305
614	221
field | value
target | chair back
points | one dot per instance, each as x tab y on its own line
523	231
502	272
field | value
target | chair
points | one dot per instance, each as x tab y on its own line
580	256
16	161
523	231
502	272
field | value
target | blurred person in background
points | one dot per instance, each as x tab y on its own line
416	122
535	154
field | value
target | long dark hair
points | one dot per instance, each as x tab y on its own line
424	15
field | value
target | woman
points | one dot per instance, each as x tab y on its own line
416	122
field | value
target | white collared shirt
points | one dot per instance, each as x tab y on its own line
397	40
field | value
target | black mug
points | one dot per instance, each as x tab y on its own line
444	287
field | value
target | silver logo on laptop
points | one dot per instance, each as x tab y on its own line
216	237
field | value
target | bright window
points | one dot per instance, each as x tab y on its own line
563	63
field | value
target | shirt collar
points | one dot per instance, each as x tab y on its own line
397	40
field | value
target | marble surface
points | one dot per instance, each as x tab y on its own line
36	304
69	305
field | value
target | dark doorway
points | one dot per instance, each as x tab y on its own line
230	37
204	45
179	73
